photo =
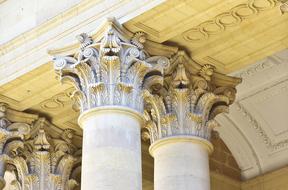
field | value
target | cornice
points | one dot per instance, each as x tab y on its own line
44	36
99	33
54	22
42	28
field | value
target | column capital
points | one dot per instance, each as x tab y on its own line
191	97
112	67
40	154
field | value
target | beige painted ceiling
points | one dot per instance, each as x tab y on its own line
227	33
233	35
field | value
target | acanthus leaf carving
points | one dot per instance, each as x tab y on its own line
111	70
188	102
40	160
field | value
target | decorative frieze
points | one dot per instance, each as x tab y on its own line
39	158
272	146
111	69
231	18
191	97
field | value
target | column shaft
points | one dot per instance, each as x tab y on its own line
111	149
180	164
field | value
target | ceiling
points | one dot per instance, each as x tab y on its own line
256	129
229	34
233	35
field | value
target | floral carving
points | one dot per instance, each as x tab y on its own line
111	70
188	102
38	159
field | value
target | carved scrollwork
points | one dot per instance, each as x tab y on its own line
58	101
231	18
40	160
111	70
188	102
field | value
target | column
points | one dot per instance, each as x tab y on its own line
181	163
179	120
111	149
110	74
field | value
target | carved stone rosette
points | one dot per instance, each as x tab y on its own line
110	69
191	97
38	159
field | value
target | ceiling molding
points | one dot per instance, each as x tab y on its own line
264	83
241	148
61	30
256	69
57	101
231	18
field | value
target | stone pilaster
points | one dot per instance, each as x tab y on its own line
36	152
180	118
109	71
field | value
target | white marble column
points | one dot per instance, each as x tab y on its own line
110	75
111	149
181	163
179	124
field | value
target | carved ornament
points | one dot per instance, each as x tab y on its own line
110	68
272	146
39	159
191	97
115	67
231	18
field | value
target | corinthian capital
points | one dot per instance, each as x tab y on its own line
190	99
37	153
111	68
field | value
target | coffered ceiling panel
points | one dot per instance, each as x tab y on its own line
228	34
258	119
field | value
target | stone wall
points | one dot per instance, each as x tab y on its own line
222	160
277	180
222	182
